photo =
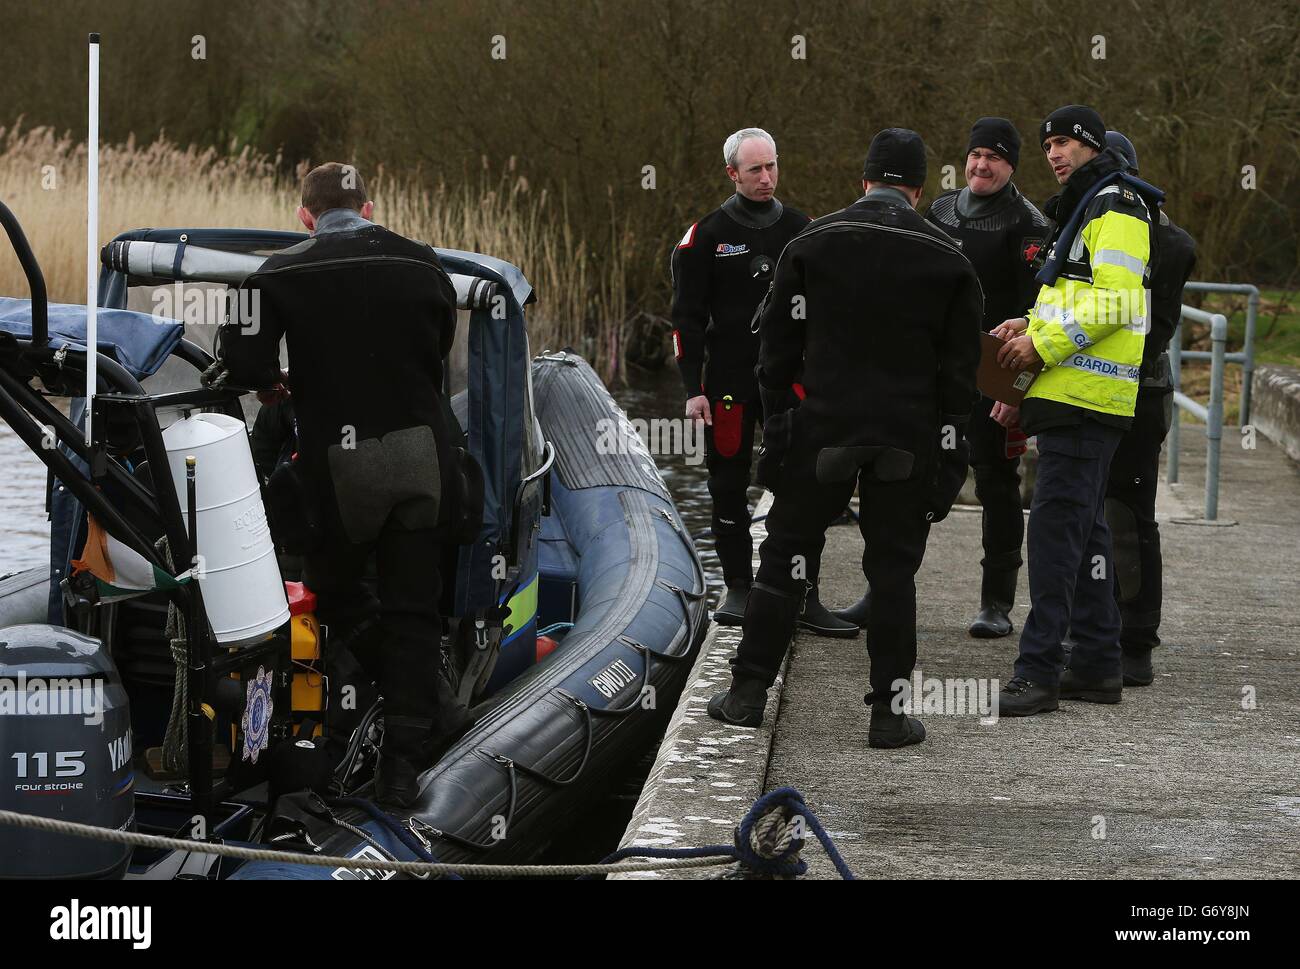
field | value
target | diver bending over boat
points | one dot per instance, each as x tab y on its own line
368	316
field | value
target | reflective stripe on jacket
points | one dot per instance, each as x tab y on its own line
1089	326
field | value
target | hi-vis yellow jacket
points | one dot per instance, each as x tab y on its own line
1089	326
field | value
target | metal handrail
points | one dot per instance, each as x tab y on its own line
1212	415
1246	355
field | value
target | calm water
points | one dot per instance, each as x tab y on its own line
24	532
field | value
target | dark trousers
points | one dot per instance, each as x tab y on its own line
1131	514
894	530
395	635
1071	574
997	485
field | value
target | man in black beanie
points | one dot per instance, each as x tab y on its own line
882	312
1000	231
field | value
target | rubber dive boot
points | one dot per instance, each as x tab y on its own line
997	594
412	745
820	621
742	704
1137	668
858	613
408	750
731	610
768	628
890	730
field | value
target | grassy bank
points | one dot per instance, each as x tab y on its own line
581	302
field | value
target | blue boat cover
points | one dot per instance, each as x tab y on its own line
138	341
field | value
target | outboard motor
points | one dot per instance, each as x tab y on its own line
65	752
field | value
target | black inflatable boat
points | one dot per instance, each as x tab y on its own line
573	619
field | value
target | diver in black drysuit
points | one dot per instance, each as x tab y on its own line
366	338
1000	233
720	270
1135	469
888	349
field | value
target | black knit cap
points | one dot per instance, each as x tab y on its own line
996	134
897	157
1077	121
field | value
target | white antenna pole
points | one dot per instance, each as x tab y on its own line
92	236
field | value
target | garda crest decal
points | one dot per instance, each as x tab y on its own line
256	722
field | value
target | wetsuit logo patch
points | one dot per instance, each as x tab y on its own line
727	249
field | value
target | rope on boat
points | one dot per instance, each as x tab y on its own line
175	746
767	846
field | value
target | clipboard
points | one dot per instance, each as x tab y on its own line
998	382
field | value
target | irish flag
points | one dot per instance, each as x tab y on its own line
120	572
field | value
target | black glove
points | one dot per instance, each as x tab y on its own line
778	425
215	377
950	470
777	401
777	433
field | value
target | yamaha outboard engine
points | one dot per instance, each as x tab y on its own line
65	753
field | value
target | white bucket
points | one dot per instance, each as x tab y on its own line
243	590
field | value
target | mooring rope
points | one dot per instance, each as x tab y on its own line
767	846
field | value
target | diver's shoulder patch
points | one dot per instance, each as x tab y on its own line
688	240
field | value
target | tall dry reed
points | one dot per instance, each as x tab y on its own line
581	303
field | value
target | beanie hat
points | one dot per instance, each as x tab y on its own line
1075	121
996	134
897	157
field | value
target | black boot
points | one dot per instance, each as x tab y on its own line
413	744
742	704
858	613
730	611
1137	667
1109	689
997	594
407	751
817	619
1022	698
890	730
993	622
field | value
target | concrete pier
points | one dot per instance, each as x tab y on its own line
1195	776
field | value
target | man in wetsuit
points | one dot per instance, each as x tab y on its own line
1001	232
721	269
879	311
368	317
